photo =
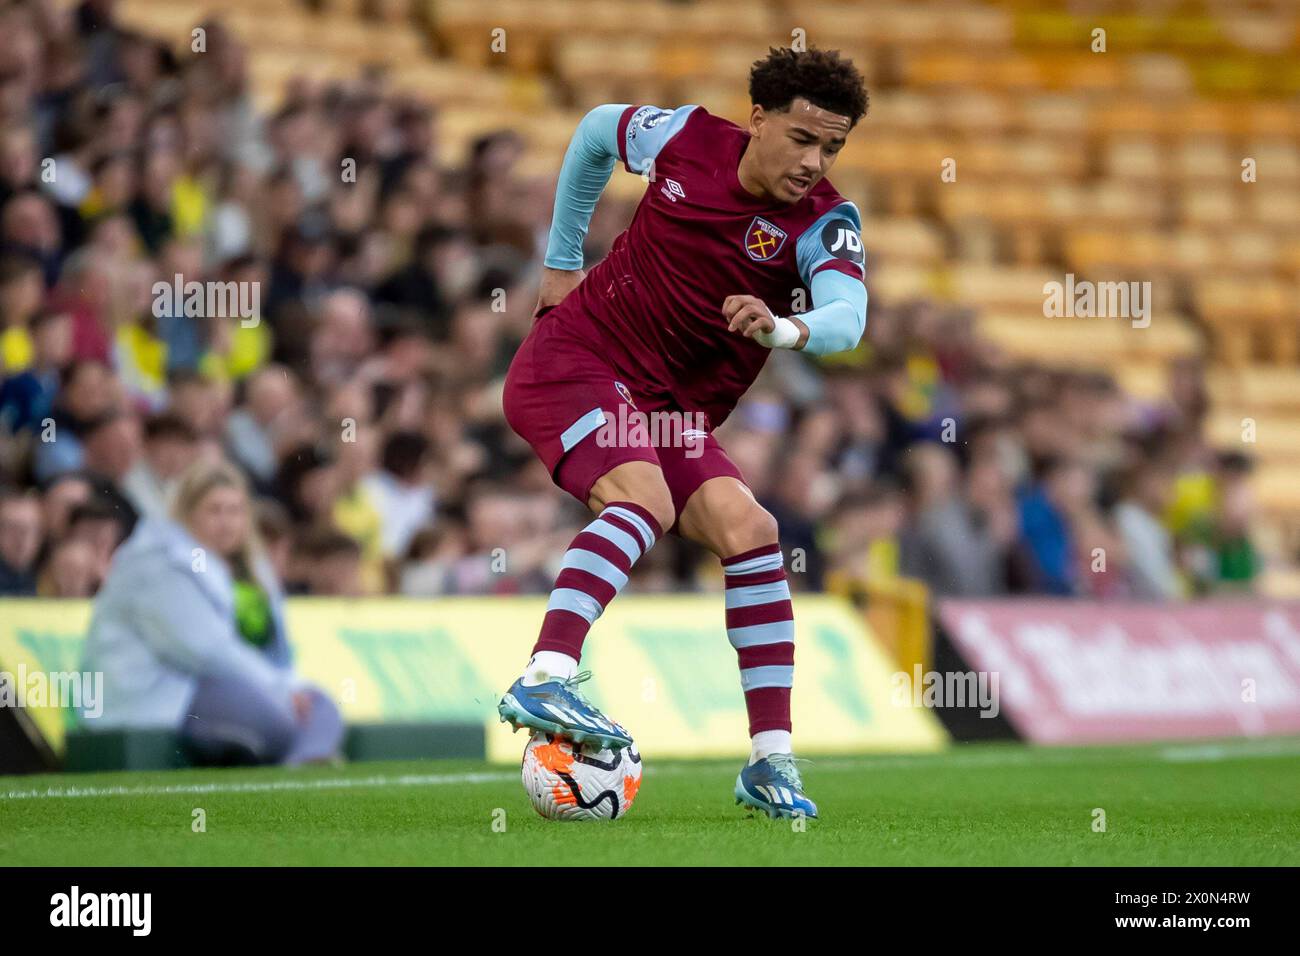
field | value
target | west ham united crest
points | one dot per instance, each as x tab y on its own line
763	240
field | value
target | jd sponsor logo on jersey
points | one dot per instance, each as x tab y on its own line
841	239
763	240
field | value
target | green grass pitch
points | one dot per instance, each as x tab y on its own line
1223	803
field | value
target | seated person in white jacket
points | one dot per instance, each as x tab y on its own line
189	634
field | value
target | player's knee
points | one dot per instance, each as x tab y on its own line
657	500
640	483
754	528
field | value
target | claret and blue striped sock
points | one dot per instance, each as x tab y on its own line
595	569
760	626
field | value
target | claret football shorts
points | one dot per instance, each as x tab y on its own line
563	398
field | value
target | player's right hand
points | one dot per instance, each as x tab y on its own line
556	284
747	315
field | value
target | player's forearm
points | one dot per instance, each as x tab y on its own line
839	316
588	164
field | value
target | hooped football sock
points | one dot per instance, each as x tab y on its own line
595	569
760	626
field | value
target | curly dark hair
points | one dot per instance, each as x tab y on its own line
822	77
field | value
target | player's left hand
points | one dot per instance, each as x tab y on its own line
747	315
556	284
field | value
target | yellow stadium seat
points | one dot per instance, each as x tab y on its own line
1209	207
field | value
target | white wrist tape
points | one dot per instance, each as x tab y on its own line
784	336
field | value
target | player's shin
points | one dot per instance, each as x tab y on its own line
760	626
595	569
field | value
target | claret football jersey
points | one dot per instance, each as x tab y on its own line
654	304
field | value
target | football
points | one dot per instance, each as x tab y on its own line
568	782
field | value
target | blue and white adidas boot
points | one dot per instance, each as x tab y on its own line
558	707
773	786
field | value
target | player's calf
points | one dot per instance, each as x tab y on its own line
724	517
760	626
594	571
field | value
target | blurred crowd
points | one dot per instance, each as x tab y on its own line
361	397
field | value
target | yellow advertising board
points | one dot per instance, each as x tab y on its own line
662	665
39	638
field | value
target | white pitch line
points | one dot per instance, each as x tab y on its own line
1180	753
333	783
1035	757
1195	753
1029	756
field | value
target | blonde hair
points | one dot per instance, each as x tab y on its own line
195	484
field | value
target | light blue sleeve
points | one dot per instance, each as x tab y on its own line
839	316
835	237
588	163
826	253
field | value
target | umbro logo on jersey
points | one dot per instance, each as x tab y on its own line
673	190
763	240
